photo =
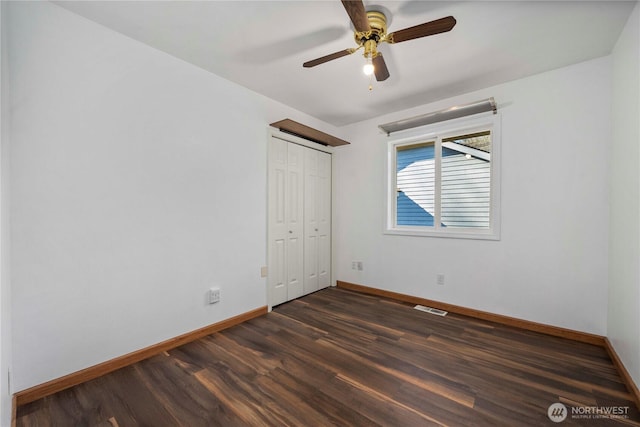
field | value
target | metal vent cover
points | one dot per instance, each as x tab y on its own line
431	310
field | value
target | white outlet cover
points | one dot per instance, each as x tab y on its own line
214	295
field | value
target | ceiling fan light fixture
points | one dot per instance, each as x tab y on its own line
368	66
370	51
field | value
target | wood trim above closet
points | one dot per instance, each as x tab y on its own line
298	129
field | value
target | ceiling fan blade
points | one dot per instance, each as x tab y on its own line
357	14
328	58
380	68
438	26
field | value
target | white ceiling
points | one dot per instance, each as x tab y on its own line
262	44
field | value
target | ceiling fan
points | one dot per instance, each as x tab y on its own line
371	29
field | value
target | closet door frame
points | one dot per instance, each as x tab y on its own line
274	133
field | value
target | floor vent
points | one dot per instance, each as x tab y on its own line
431	310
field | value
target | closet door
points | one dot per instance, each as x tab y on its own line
324	220
285	223
299	220
317	220
295	211
311	220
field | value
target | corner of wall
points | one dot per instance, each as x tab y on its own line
6	401
623	318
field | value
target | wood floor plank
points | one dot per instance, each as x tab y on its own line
183	396
337	357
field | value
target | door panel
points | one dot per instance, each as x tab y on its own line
324	220
279	197
294	268
295	184
311	264
277	227
295	217
311	221
277	272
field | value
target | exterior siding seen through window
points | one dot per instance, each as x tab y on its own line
464	182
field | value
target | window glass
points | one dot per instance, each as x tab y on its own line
415	182
466	181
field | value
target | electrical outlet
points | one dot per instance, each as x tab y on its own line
440	279
360	267
214	295
264	271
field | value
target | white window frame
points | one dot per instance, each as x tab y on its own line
437	132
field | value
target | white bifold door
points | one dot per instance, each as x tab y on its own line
299	220
317	220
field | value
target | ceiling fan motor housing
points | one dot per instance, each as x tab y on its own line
369	39
378	24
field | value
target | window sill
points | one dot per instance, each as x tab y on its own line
450	233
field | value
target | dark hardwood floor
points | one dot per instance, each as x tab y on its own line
341	358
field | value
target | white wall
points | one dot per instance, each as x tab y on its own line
5	288
551	264
623	327
138	182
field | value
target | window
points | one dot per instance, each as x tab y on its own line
444	180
